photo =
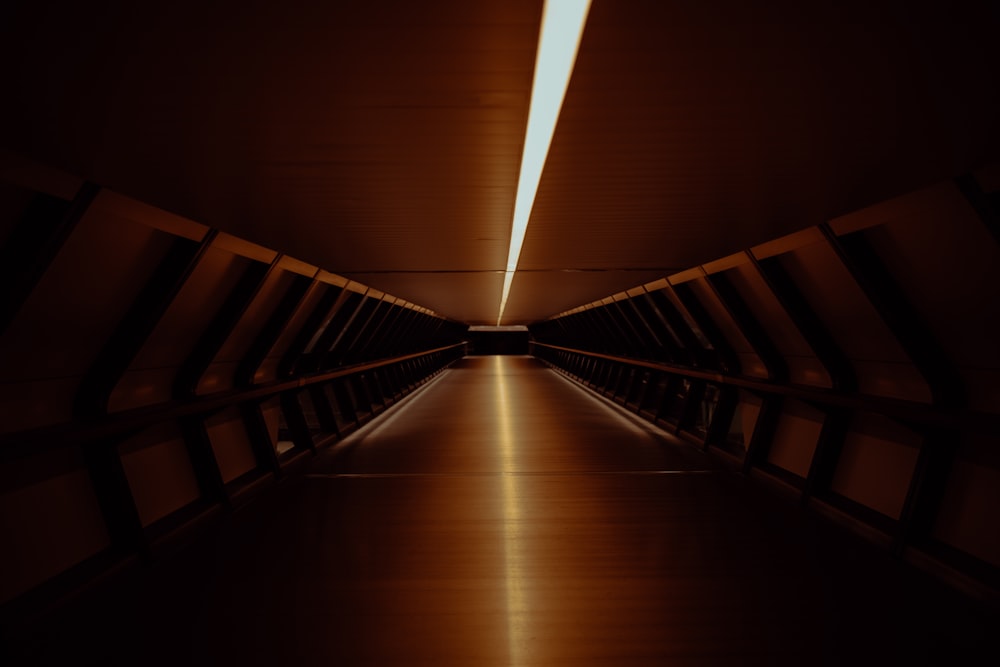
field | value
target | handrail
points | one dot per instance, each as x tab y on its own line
910	411
65	434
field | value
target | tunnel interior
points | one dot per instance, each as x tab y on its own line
223	282
161	375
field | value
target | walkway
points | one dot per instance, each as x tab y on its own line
504	516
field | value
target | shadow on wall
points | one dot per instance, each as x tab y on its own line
498	340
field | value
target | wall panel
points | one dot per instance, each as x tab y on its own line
220	373
948	264
803	365
68	316
49	519
881	365
126	299
150	377
876	464
888	320
970	510
750	363
795	437
159	472
231	444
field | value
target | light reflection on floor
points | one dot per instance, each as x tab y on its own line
517	610
504	517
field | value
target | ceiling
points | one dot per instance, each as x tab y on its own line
382	140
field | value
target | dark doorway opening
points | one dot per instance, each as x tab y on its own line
498	340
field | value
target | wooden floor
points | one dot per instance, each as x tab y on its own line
504	516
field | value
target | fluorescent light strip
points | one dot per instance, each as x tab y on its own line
562	29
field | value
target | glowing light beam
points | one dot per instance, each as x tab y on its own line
559	39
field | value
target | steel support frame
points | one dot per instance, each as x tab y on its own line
808	323
221	327
138	324
34	243
269	334
942	428
748	324
729	361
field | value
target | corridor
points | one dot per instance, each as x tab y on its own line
740	265
502	515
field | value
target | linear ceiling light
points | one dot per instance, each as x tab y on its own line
562	29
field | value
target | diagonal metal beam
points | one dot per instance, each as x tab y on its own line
34	243
729	361
260	438
615	338
221	327
272	330
324	412
324	309
353	351
749	325
658	331
295	418
805	319
829	446
649	344
375	348
137	325
677	327
328	351
690	405
203	461
722	417
986	205
763	432
404	325
881	289
935	461
114	496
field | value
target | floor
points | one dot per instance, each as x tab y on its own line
503	516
